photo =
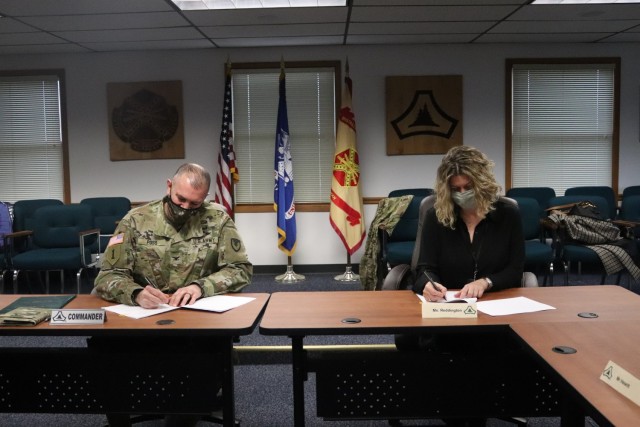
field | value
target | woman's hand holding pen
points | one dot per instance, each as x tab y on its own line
434	292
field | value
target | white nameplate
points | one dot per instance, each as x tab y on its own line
78	317
449	309
622	382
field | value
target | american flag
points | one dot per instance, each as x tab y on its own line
227	170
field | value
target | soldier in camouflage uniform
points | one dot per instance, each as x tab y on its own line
174	250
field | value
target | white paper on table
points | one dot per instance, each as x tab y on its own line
517	305
450	296
218	304
137	312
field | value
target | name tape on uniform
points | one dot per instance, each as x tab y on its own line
78	317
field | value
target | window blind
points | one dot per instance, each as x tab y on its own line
31	152
562	125
311	112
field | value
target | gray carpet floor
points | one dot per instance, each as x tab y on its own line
263	391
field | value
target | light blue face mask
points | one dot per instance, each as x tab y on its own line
465	199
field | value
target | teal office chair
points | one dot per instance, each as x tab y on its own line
397	248
630	211
107	211
633	190
603	191
568	252
6	228
541	194
23	211
537	251
63	239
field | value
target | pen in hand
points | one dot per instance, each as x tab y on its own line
150	283
433	282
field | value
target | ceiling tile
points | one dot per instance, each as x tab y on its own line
232	31
541	38
410	39
79	7
302	15
130	35
419	27
563	26
430	13
107	21
279	41
150	45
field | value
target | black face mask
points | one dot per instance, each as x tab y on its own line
176	214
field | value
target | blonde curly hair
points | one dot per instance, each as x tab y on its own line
471	162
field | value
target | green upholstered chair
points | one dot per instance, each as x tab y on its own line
537	251
630	211
107	211
603	191
397	248
570	253
541	194
633	190
6	228
63	238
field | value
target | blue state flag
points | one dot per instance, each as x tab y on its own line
283	200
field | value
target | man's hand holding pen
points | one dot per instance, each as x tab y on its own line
434	292
152	297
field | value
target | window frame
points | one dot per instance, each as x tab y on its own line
615	143
336	65
60	74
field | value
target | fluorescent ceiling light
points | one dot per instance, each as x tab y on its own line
582	1
253	4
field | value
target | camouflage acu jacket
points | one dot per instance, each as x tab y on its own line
207	251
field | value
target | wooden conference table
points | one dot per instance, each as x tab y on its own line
155	373
397	385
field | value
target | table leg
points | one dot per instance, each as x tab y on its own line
228	394
299	376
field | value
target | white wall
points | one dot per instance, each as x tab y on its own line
201	72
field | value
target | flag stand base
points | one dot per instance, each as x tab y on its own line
290	276
347	276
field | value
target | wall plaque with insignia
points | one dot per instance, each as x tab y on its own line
424	114
145	120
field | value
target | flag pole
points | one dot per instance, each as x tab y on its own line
348	275
290	276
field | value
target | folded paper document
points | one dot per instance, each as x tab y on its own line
25	316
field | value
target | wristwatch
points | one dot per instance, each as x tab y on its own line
489	283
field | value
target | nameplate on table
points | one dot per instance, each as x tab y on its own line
78	317
462	310
622	381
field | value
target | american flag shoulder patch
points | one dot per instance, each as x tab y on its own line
116	239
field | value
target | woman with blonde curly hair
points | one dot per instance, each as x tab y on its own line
471	240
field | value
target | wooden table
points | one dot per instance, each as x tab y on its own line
298	314
136	381
597	342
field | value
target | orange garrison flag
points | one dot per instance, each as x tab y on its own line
346	202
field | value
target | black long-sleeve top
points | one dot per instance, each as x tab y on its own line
497	251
